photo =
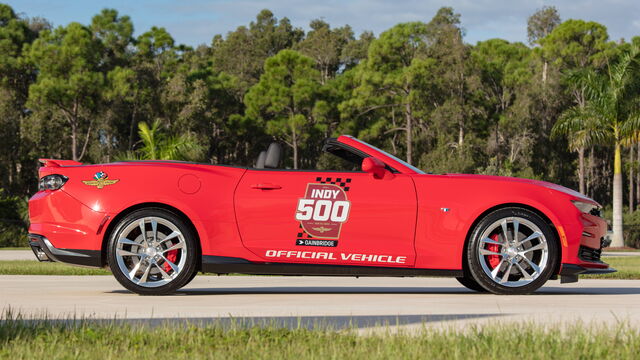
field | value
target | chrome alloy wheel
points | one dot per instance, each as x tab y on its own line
513	252
151	252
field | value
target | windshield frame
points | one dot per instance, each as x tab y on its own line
381	154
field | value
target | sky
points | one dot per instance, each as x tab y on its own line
195	22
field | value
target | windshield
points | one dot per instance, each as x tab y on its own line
393	157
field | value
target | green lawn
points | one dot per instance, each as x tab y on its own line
84	340
628	268
30	267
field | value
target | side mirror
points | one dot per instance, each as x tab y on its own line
374	166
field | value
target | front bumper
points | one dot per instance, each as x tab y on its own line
45	251
588	259
570	272
575	270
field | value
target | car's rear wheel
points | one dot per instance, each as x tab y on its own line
152	252
512	251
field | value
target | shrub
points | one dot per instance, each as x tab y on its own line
13	220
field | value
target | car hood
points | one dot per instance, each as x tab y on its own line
540	183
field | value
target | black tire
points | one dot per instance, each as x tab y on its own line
485	281
471	284
187	271
191	278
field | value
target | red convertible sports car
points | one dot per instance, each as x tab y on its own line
155	224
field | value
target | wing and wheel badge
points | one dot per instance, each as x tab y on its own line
101	179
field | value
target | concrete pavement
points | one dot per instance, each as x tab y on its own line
620	253
409	303
6	255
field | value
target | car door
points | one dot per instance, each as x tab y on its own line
323	217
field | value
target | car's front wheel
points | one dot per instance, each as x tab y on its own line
512	251
152	252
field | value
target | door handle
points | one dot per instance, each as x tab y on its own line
266	186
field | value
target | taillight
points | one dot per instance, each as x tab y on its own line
52	182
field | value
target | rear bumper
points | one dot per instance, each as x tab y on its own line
45	251
65	222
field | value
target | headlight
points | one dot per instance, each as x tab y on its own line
52	182
586	207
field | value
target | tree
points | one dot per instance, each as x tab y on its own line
613	117
155	62
541	24
325	46
458	80
356	51
576	123
124	90
15	78
577	44
286	99
573	46
390	80
243	53
157	53
69	81
115	32
203	101
504	71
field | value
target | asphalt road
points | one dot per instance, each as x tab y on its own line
367	303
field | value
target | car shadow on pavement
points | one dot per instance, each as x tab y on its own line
333	322
337	322
402	290
315	290
270	290
549	290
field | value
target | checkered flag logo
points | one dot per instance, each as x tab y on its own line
303	234
343	183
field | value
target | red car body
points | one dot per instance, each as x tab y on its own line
399	222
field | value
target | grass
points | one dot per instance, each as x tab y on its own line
30	267
14	248
621	249
20	339
628	268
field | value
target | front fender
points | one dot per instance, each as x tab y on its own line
448	208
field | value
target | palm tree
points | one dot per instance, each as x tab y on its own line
574	123
157	145
577	123
611	115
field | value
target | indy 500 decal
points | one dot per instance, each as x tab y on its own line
323	210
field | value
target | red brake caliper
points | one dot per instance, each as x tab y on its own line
171	256
494	260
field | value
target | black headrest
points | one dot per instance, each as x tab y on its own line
274	152
261	158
